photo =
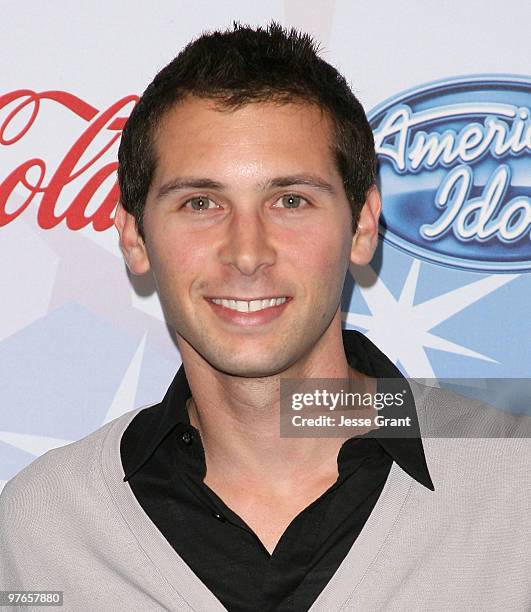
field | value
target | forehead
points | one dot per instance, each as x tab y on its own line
201	131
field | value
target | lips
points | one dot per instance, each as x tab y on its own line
246	317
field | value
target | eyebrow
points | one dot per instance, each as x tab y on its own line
308	180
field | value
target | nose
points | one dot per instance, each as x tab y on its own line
247	243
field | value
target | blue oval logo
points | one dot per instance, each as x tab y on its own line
455	172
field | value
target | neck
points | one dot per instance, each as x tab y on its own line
238	419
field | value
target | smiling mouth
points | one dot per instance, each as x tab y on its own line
250	305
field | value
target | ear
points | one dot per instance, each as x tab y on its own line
365	240
131	243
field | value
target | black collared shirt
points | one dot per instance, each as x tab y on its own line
164	463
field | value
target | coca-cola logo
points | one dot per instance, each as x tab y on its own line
87	167
454	164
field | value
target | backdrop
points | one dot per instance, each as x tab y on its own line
444	84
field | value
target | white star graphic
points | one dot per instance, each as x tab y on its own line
402	330
123	402
124	398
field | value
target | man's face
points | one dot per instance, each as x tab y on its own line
247	205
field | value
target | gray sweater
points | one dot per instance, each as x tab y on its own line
68	522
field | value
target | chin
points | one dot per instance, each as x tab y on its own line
247	368
243	357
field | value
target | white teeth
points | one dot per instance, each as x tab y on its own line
242	306
252	306
255	305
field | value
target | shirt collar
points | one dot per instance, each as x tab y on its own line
160	420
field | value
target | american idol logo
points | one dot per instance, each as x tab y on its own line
455	170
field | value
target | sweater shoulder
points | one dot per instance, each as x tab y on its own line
471	447
59	479
444	413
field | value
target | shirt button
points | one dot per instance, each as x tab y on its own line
187	438
220	517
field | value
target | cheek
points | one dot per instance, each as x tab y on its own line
175	260
324	255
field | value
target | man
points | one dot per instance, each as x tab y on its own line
247	173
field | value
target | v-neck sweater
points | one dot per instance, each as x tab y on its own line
69	522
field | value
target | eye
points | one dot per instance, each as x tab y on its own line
291	200
199	203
